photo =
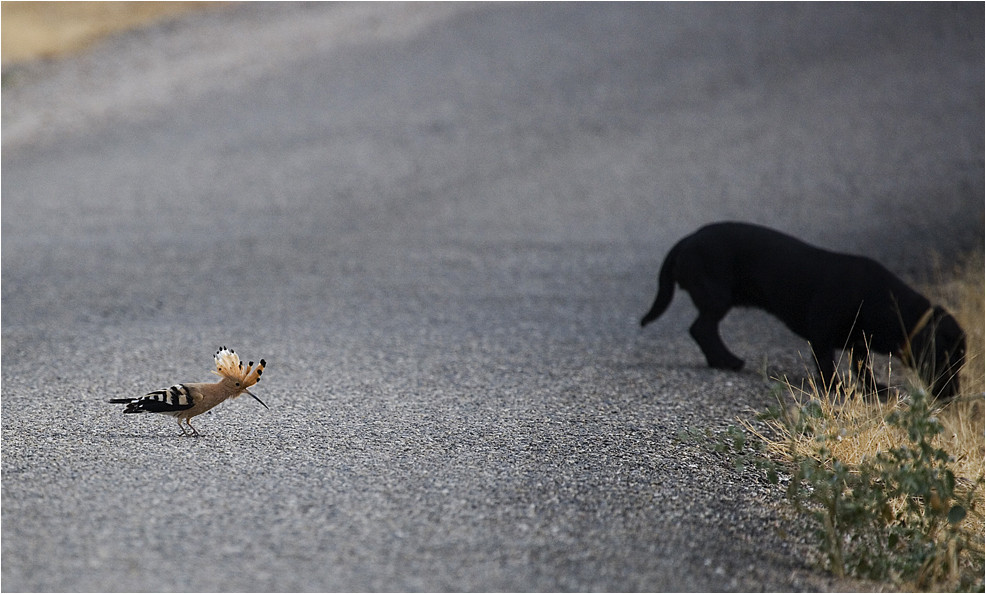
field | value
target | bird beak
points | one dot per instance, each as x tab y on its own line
257	399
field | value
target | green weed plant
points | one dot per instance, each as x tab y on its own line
896	514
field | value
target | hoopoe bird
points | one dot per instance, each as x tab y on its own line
184	401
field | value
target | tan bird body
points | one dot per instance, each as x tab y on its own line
184	401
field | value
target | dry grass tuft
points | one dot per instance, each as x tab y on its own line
842	428
962	291
861	421
34	30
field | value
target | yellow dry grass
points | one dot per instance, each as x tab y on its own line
857	426
32	30
965	429
859	422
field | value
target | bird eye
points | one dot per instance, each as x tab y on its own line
237	384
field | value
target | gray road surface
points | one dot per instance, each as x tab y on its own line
440	225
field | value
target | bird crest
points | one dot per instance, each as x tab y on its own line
228	365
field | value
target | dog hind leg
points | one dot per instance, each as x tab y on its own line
713	300
705	331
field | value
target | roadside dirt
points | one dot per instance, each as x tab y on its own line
33	30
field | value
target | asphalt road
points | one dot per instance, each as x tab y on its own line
440	225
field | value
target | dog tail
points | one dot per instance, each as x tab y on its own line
665	288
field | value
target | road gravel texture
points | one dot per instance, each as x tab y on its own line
440	224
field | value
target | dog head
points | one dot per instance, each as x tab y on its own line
938	353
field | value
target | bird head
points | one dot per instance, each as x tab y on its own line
235	375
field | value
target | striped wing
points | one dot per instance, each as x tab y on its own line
174	399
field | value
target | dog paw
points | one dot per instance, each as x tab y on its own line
731	364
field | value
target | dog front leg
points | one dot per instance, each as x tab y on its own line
864	371
825	362
705	331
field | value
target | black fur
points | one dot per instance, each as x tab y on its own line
834	300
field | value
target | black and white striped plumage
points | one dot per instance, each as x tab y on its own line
171	401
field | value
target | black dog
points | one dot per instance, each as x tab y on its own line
834	300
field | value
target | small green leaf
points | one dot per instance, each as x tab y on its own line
814	409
